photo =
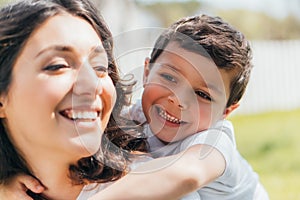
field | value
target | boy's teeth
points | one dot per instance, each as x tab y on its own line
168	117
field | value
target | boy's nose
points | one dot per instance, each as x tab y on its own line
173	99
87	82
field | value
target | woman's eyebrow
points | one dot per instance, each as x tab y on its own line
62	48
97	50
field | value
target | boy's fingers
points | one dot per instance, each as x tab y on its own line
31	183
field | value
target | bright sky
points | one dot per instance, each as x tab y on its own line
276	8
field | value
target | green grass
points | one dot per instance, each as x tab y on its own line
270	143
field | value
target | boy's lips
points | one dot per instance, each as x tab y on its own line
168	117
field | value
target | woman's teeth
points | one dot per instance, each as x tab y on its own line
80	115
168	117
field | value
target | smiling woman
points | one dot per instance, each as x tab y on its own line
58	85
78	90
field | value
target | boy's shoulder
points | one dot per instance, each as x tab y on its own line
220	133
219	136
134	112
222	126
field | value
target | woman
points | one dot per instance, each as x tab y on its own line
58	85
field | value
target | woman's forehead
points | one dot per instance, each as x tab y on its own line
65	30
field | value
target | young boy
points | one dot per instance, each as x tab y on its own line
197	74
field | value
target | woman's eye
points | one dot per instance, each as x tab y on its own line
56	67
203	95
168	77
101	70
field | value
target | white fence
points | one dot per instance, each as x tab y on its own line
275	81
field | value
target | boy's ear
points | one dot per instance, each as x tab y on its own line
229	109
146	70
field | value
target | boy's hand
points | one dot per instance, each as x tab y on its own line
17	187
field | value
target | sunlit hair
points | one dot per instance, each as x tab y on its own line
17	22
222	43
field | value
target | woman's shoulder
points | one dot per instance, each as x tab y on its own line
91	189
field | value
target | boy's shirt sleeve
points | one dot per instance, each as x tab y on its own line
134	112
238	174
218	139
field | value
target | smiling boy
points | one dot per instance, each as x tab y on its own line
197	74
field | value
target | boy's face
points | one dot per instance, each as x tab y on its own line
184	93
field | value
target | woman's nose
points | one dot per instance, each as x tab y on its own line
87	82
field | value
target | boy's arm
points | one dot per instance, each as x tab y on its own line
17	187
169	177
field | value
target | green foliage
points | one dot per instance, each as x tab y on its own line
255	25
3	2
169	12
269	142
259	26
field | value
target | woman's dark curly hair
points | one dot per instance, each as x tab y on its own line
17	22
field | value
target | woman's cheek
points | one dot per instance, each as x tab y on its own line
109	94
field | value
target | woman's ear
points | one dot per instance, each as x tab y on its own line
2	105
229	109
146	70
2	113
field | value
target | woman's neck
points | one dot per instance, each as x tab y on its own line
59	186
54	175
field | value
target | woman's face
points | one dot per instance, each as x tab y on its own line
61	96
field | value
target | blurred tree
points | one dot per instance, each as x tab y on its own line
291	27
255	25
260	26
3	2
169	12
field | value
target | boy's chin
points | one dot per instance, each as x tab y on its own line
162	137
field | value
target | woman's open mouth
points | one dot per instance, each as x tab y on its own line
80	115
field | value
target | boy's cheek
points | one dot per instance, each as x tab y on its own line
207	115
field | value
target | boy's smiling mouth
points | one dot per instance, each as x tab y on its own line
163	114
80	115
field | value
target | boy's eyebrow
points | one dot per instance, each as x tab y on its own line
214	88
209	86
172	67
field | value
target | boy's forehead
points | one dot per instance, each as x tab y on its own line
190	56
200	65
177	55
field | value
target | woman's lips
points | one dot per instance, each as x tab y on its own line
80	115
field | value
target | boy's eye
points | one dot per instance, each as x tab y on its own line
101	71
168	77
203	95
56	67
